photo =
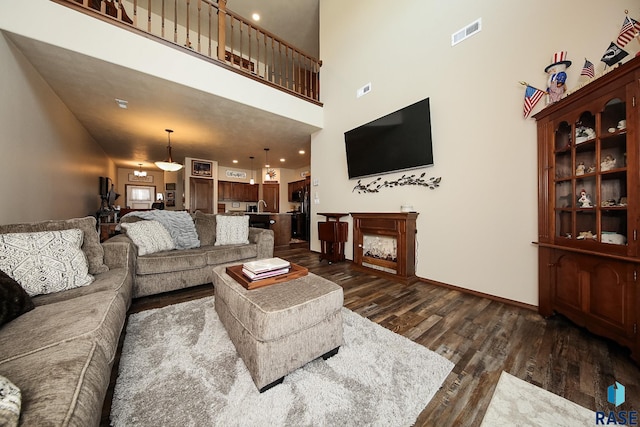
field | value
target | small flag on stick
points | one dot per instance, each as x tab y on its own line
531	98
613	55
630	28
588	69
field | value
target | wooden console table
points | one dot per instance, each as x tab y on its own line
401	227
333	235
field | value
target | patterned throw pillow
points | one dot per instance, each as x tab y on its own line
149	236
10	403
232	230
14	300
46	261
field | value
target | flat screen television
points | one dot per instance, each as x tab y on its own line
396	142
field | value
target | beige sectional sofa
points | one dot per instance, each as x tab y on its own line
177	269
60	353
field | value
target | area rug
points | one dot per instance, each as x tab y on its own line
179	368
517	403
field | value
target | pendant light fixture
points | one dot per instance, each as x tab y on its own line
267	177
169	165
252	181
140	172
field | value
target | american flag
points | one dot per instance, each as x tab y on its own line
531	98
630	27
587	69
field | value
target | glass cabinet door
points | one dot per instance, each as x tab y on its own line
590	180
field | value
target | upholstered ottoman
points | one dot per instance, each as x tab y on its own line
277	329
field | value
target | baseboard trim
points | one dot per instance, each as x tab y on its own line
481	294
458	288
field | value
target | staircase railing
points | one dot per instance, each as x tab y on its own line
216	33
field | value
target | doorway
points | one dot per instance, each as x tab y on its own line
201	195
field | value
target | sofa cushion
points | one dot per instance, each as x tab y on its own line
90	242
10	401
45	261
232	229
149	236
217	255
98	317
168	261
62	385
206	228
179	224
14	300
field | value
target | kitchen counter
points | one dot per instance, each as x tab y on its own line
280	223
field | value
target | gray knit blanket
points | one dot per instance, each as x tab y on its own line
179	224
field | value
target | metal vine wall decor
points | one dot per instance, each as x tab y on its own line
376	185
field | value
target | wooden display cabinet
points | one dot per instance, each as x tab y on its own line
385	244
589	206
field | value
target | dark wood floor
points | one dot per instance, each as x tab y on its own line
482	337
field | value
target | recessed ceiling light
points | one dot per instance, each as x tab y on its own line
235	161
122	103
256	16
282	160
301	152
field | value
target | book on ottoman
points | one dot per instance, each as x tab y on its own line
266	267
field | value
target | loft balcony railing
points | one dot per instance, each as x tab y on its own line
212	31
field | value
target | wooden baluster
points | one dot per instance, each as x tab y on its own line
119	12
148	16
210	8
241	57
199	11
232	20
162	19
103	7
135	13
188	42
85	3
249	40
222	24
175	21
258	52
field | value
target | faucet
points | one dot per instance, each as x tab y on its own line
265	204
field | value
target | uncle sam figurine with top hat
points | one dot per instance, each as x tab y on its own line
557	77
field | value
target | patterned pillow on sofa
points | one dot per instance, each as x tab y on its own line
10	403
45	262
91	246
232	230
149	236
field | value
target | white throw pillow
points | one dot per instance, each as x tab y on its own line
149	236
232	230
46	261
10	403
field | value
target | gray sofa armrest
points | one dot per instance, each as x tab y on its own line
119	252
264	239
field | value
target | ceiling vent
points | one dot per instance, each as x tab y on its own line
466	32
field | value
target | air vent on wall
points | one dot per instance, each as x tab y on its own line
466	32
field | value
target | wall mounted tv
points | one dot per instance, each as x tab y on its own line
396	142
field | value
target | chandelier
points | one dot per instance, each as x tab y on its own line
140	172
169	165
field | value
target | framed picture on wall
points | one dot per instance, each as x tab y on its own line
201	168
171	198
170	186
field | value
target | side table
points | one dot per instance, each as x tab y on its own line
333	234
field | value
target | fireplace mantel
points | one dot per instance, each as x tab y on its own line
383	230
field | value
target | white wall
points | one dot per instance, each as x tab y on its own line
50	165
476	230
